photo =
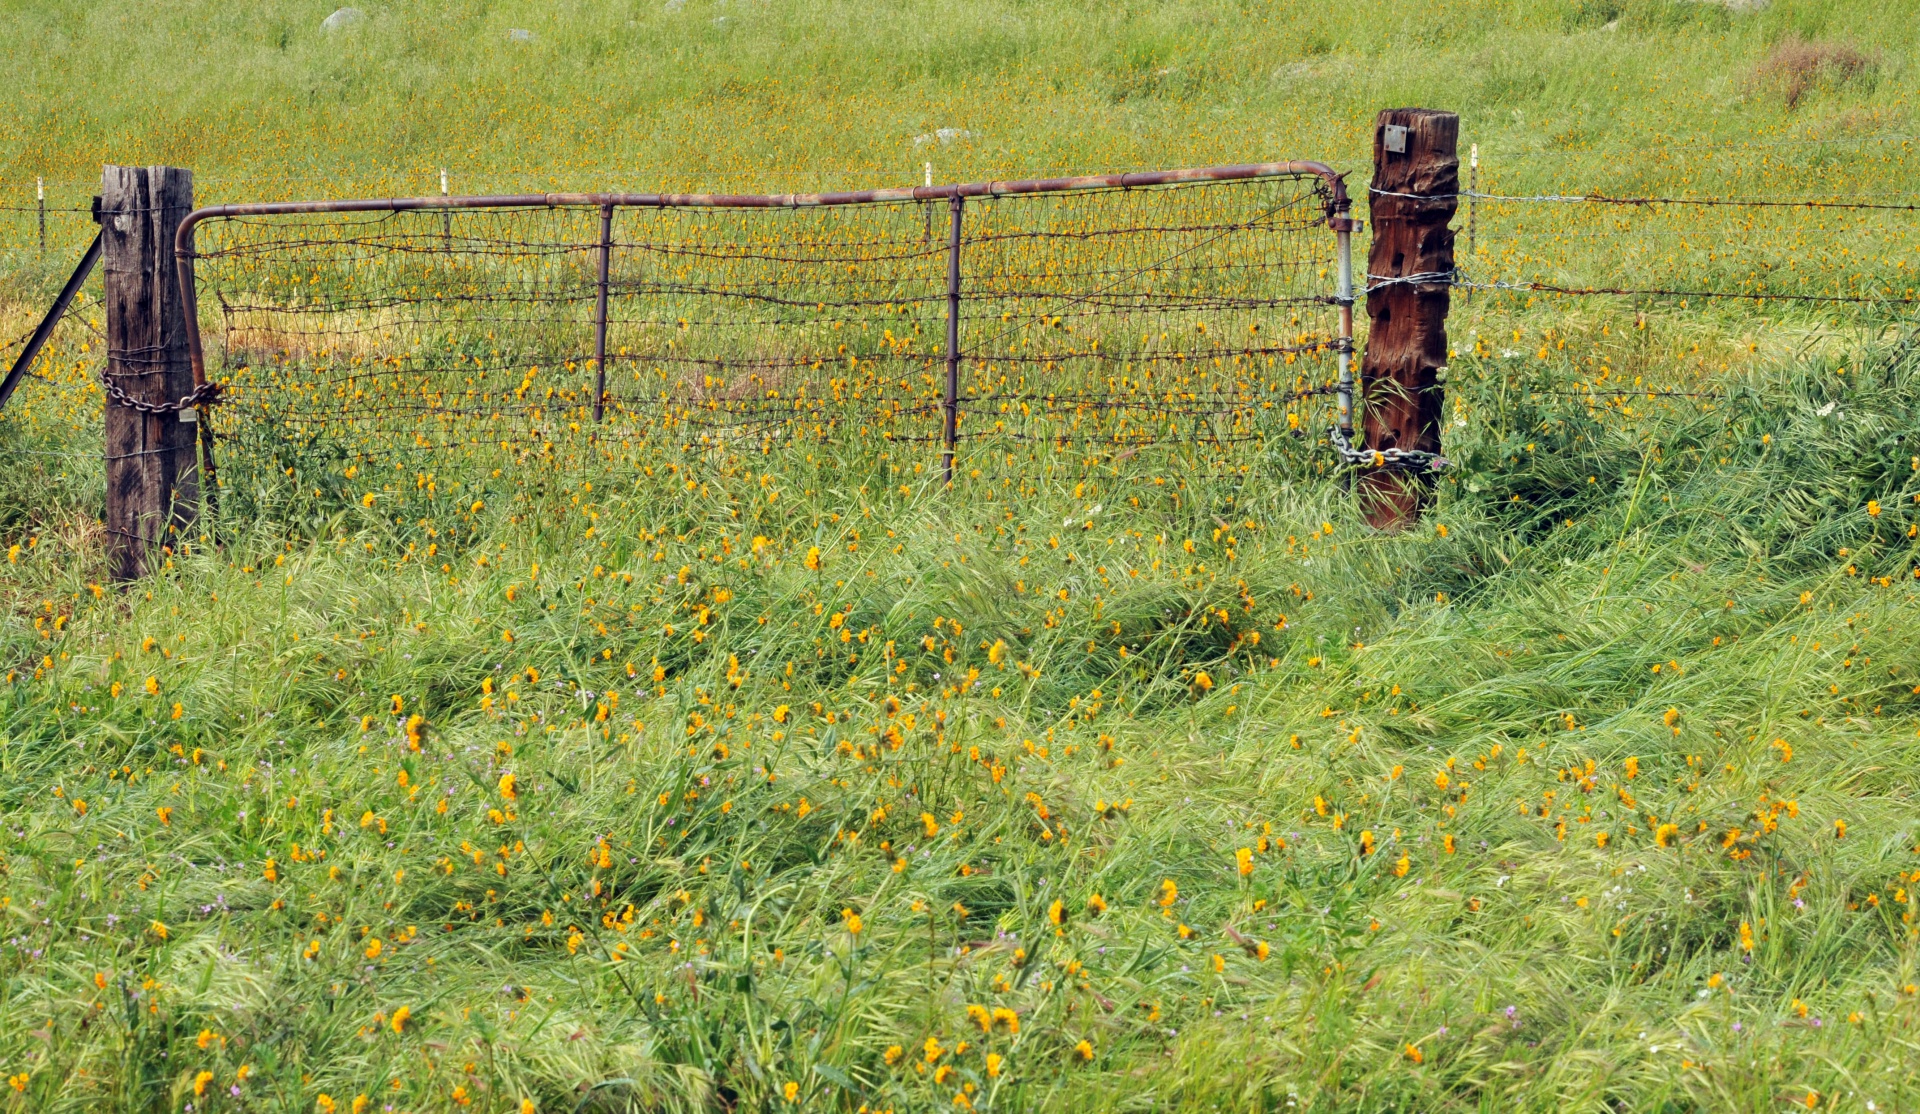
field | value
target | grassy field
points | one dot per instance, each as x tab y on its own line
790	779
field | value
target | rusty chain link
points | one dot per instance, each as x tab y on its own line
206	394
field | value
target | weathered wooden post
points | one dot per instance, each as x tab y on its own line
1416	186
153	481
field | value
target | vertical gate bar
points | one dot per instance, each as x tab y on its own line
197	362
600	315
209	479
951	408
1343	297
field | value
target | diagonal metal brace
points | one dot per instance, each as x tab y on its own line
44	332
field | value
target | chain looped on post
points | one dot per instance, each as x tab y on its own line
1386	458
206	394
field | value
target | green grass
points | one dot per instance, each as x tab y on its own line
1738	594
1620	614
259	101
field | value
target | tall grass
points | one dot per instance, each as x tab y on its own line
1158	783
1614	624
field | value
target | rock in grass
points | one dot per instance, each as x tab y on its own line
342	19
519	35
942	136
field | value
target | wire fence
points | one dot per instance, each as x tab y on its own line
1114	317
1187	312
44	223
1811	251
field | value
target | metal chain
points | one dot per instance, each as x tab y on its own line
206	394
1385	458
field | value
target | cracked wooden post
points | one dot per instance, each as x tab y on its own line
1416	186
153	479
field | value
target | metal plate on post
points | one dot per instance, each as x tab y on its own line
1394	139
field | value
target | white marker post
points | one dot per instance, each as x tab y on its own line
927	169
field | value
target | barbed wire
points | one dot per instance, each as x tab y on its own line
1664	292
1605	199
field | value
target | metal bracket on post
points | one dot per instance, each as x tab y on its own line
950	433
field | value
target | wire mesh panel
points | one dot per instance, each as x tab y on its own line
1184	312
403	330
729	323
1181	313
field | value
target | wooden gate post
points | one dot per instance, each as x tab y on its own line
153	480
1416	183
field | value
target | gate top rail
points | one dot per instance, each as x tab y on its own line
1337	207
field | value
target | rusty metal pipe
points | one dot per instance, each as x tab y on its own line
950	405
1344	298
600	315
1344	226
189	300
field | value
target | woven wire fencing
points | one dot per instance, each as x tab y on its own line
1813	252
1196	314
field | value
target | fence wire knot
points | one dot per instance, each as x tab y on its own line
1381	282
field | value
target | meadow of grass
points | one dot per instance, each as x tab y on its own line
752	777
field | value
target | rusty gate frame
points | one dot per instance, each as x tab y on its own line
1338	209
